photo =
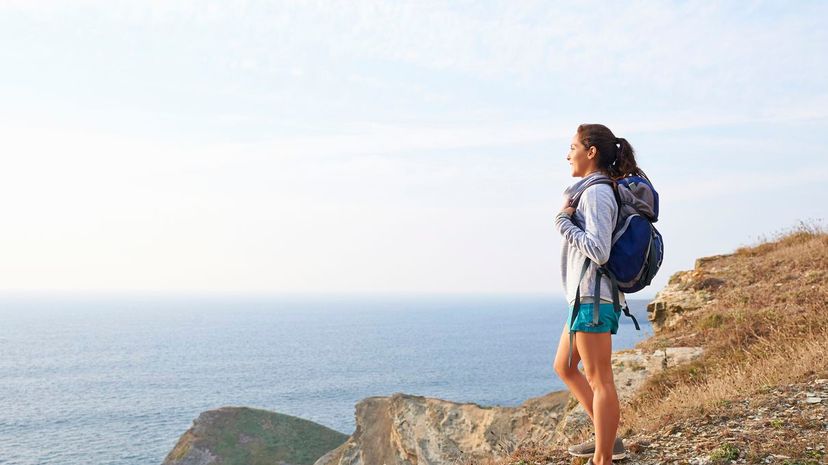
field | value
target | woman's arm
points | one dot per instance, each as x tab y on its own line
599	208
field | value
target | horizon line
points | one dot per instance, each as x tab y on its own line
284	294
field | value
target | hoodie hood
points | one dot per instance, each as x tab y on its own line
579	186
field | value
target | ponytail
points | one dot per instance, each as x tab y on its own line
616	157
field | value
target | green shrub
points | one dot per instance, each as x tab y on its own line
726	452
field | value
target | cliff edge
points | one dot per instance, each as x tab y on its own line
757	394
414	430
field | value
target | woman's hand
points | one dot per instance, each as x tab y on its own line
566	208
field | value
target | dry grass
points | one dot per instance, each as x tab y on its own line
766	326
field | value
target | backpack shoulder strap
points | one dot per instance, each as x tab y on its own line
612	183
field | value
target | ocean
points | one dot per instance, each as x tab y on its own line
117	379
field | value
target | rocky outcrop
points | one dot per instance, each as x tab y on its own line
686	291
404	429
246	436
407	430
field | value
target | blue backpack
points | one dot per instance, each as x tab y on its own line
637	247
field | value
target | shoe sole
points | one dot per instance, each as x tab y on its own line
614	456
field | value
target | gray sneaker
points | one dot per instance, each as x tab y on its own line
587	449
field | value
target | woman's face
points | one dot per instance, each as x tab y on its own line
583	161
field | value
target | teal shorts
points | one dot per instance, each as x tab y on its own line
607	318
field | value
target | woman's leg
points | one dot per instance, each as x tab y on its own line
572	376
596	351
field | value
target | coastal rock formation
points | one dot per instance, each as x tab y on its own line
406	430
686	291
409	429
246	436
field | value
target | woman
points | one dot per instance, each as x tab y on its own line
594	154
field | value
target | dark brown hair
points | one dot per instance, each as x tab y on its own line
616	157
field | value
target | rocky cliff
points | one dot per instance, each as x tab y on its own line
759	391
686	292
407	429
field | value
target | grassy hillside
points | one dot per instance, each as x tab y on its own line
766	326
247	436
759	392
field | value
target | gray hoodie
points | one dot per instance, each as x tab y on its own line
596	211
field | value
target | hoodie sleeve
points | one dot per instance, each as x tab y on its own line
599	209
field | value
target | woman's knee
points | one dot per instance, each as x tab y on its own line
565	371
599	379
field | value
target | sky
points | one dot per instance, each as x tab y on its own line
385	146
